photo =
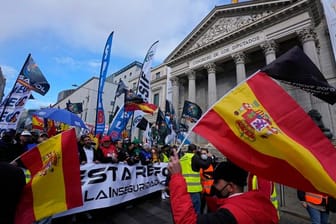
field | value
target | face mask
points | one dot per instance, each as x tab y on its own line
204	156
218	193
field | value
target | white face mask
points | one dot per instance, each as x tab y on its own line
204	156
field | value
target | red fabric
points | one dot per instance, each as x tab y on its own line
293	121
251	207
109	150
264	186
181	204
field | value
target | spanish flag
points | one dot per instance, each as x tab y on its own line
55	179
37	123
261	128
145	107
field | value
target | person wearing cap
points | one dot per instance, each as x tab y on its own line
26	140
42	137
109	150
236	206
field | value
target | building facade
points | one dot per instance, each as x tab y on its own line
87	94
234	41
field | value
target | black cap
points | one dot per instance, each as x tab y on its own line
231	173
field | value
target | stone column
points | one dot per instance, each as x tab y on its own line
310	44
239	59
269	48
192	86
175	93
212	87
308	39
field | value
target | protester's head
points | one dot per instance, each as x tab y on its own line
228	179
192	148
204	153
42	137
25	137
7	136
106	141
86	140
119	144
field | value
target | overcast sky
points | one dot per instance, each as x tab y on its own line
66	37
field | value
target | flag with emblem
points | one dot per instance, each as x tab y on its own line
261	128
55	179
37	123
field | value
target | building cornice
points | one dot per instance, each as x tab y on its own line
282	10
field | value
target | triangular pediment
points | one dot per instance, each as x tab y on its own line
224	23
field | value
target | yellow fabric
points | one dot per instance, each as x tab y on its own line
192	178
165	158
50	178
282	145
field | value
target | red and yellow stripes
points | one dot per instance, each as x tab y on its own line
55	184
266	132
145	107
37	122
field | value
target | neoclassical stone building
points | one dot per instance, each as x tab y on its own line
234	41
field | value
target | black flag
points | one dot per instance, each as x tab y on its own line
191	111
32	77
295	68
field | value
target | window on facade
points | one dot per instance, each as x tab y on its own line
130	74
156	99
134	86
157	75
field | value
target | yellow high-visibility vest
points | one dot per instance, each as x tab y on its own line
192	178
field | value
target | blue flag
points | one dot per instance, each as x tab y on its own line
100	117
119	123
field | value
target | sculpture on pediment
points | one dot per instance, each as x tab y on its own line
227	25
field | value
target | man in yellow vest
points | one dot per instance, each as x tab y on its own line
265	186
191	163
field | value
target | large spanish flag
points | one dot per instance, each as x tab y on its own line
261	128
55	179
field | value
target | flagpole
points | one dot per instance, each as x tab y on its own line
11	92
